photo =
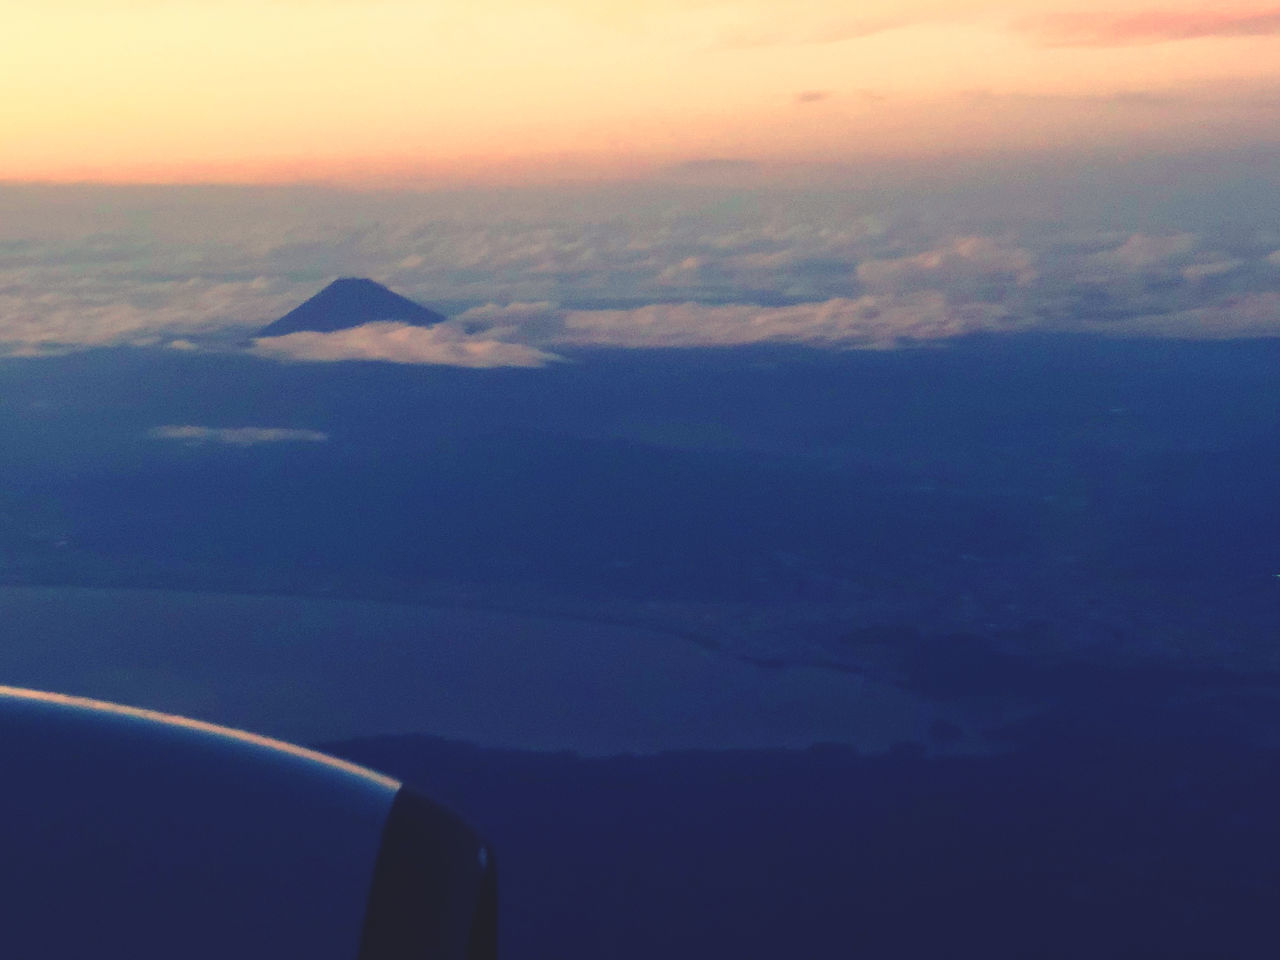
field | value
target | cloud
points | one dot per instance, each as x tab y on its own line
1153	26
55	309
962	259
813	96
1213	101
513	322
1245	315
688	270
443	345
1213	268
493	314
237	436
182	268
805	31
865	322
1142	250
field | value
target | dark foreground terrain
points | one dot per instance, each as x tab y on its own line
1123	831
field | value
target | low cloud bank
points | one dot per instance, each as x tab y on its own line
866	322
1248	315
962	260
237	436
612	269
45	310
1142	251
443	345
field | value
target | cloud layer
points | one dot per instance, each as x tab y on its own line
236	436
961	261
526	274
871	322
401	343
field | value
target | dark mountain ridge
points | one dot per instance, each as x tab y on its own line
350	302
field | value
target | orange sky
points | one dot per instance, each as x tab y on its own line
173	90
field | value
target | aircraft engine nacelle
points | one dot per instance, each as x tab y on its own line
129	833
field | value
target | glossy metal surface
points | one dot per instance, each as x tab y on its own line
131	833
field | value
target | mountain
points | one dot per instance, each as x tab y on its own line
350	302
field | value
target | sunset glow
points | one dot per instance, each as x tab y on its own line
162	90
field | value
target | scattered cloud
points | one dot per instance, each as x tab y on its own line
688	270
1152	26
862	322
493	314
47	309
529	323
1247	315
442	345
813	96
867	321
1206	100
1213	268
31	350
1142	250
237	436
962	259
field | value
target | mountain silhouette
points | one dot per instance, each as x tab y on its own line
350	302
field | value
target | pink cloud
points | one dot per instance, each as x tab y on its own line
1153	26
442	345
1143	250
1244	315
963	258
868	322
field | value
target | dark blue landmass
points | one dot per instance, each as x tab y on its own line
1117	832
1086	529
742	475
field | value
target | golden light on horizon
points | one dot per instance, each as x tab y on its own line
338	89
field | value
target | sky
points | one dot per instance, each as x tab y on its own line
565	174
410	92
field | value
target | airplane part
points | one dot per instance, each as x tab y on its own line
132	833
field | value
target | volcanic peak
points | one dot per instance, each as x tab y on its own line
351	302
